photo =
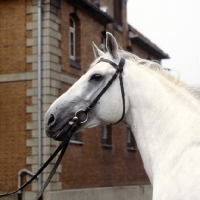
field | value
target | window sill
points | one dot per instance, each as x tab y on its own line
131	149
76	142
107	146
74	64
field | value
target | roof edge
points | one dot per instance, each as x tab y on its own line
92	10
147	44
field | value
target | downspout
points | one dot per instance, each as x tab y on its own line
22	171
39	56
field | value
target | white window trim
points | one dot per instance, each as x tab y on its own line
104	137
72	30
104	133
130	145
129	136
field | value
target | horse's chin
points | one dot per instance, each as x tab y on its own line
61	134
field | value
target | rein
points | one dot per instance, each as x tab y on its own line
62	147
75	123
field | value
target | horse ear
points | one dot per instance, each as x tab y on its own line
97	51
111	45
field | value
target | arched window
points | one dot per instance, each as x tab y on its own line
72	48
74	41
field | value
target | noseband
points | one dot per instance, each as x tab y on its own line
75	123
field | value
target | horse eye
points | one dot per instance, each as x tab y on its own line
96	77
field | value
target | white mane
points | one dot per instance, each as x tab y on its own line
155	66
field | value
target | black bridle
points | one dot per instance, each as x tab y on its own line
119	70
75	123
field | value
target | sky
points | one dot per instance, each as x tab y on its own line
174	26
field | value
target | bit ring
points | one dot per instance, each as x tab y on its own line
84	113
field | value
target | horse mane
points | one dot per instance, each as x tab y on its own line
155	66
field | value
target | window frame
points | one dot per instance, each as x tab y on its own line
76	139
72	44
106	136
130	140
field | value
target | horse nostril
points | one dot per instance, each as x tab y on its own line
51	120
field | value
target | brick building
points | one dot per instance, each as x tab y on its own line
99	161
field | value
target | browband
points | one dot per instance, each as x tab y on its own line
119	66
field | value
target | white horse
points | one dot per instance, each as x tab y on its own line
162	112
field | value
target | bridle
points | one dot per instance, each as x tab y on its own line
119	70
74	124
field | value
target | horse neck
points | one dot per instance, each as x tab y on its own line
158	111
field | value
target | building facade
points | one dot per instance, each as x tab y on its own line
98	162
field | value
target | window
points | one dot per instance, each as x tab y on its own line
118	11
131	144
106	136
74	41
76	138
96	2
103	41
72	48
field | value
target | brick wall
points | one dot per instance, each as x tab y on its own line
13	100
142	53
12	36
12	133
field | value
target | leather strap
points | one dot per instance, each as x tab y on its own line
63	147
118	72
120	66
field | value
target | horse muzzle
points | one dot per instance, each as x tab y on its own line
56	129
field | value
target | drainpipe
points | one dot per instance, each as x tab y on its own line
22	171
39	56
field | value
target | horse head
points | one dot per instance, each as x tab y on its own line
107	110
